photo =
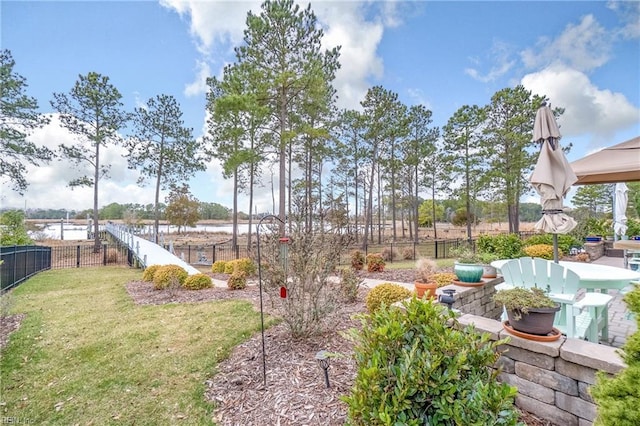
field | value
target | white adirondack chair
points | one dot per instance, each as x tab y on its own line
584	318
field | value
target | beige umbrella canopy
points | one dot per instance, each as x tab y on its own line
552	178
618	163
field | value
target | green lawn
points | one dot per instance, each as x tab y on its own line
85	354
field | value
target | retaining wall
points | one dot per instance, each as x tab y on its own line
553	378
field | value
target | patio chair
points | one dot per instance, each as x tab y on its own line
584	318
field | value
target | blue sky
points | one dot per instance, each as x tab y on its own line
584	55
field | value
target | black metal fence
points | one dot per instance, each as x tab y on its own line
21	262
207	254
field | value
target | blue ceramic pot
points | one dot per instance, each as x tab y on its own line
468	272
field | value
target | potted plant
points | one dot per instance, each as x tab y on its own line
424	282
488	271
529	310
468	267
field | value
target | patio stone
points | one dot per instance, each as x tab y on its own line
599	357
528	388
575	405
550	379
546	411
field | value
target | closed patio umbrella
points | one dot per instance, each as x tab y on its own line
551	178
620	210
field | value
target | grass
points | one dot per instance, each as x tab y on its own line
86	354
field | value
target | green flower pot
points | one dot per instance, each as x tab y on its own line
468	272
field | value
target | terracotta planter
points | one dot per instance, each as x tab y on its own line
468	272
425	289
538	321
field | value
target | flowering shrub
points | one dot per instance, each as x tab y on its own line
197	282
387	293
218	266
544	251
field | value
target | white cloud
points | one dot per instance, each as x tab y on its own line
212	22
500	54
199	85
629	13
48	183
584	46
588	109
220	25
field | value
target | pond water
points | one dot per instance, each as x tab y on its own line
70	231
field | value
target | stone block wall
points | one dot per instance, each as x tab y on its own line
552	378
594	250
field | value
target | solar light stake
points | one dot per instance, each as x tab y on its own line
323	360
447	298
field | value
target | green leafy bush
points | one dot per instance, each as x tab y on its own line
618	398
169	275
375	262
505	246
149	272
387	293
218	267
565	242
543	251
416	369
197	282
237	280
357	260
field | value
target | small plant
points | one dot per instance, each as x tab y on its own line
149	272
387	294
218	267
197	282
583	257
444	278
487	258
388	254
520	300
425	268
464	254
375	262
349	285
357	260
112	256
237	280
418	366
407	253
169	275
543	251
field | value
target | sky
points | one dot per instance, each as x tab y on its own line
584	56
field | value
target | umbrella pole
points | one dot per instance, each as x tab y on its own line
555	248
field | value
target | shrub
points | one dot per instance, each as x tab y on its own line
505	246
112	256
583	257
169	276
357	260
197	282
375	262
618	397
237	280
416	369
244	264
349	285
218	267
565	242
388	254
387	294
543	251
407	253
149	272
444	278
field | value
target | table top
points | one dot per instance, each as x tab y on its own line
594	276
627	244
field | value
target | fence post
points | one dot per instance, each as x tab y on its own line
189	253
77	256
213	258
104	254
138	248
